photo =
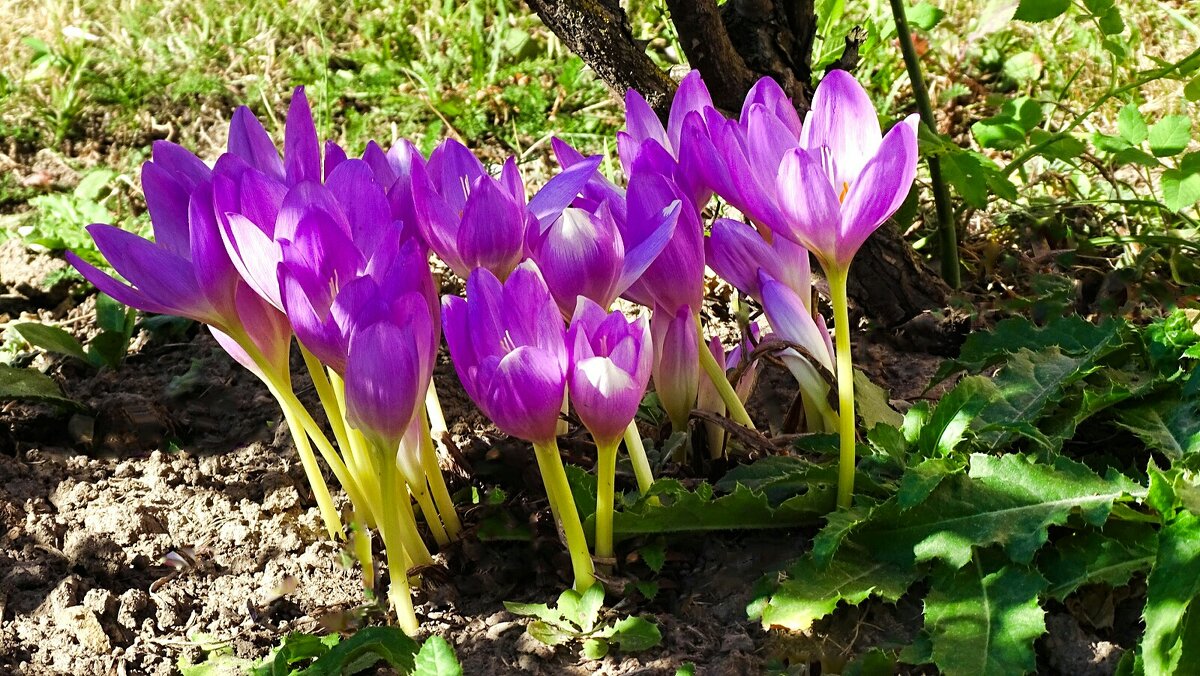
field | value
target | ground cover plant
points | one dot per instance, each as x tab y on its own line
656	438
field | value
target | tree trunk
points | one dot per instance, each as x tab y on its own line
732	46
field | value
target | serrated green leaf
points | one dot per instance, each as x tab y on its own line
679	510
634	634
1073	335
30	385
654	555
1172	595
436	658
547	633
1057	145
51	339
871	402
568	605
1035	11
998	133
839	525
1090	556
1009	501
812	591
984	622
595	648
1131	125
1170	135
948	424
779	477
920	480
1167	424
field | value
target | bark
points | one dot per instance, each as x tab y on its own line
732	47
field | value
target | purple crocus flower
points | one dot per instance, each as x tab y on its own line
644	131
736	252
846	178
185	271
610	362
592	248
507	341
677	356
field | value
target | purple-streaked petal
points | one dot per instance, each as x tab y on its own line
792	321
525	394
301	149
458	332
735	251
580	254
605	397
267	327
768	93
249	141
566	155
384	376
510	178
811	207
375	158
879	190
676	363
844	120
487	333
641	122
692	96
452	169
314	327
529	314
163	277
167	202
492	232
188	169
254	254
656	238
215	273
437	221
558	192
334	155
122	292
363	202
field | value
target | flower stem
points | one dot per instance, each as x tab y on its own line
737	411
399	593
637	455
562	504
437	481
329	401
329	512
606	480
845	383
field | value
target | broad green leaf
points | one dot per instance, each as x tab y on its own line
1191	90
568	605
948	424
839	525
436	658
890	441
590	604
1181	189
1111	22
538	610
547	633
1109	144
634	634
1023	66
1131	125
1027	384
654	555
1170	135
1167	424
812	591
31	385
1111	557
872	402
51	339
365	648
1035	11
595	648
779	477
918	481
1073	335
999	133
1173	598
1057	145
680	510
1098	392
924	15
984	622
1009	501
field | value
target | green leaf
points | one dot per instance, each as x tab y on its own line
1131	125
1034	11
1166	424
874	662
983	622
1090	556
1181	186
595	648
1057	145
999	133
924	15
31	385
364	649
812	591
920	480
633	634
436	658
1191	90
679	510
1009	501
872	402
108	349
654	555
1111	22
589	607
1170	135
1073	335
949	422
1023	66
839	525
1173	598
51	339
538	610
547	633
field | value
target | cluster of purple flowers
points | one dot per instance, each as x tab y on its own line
335	251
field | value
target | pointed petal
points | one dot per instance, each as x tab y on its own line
526	394
452	169
315	329
844	120
768	93
254	255
334	155
249	141
565	153
736	253
122	292
492	233
438	222
215	273
644	253
692	95
187	169
363	201
558	192
605	397
485	297
580	254
809	205
384	377
301	150
165	278
677	363
879	190
510	179
792	321
529	314
641	123
167	202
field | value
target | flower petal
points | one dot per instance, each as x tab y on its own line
249	141
580	254
315	328
768	93
692	96
529	314
525	394
605	397
558	192
492	233
385	376
677	363
811	209
334	156
215	273
254	254
167	202
793	322
120	291
363	201
301	149
879	190
641	122
844	120
165	278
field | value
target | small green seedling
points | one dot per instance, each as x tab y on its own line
576	617
108	348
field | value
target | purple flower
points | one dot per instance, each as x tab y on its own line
736	252
592	249
185	271
610	362
644	132
792	321
846	178
507	341
676	362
